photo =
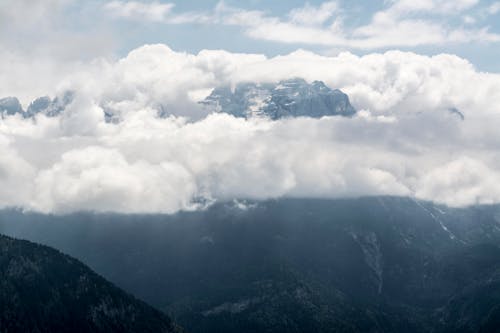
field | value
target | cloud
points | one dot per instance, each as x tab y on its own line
400	7
43	41
55	29
14	13
402	23
461	182
152	12
404	141
411	23
101	179
494	8
311	15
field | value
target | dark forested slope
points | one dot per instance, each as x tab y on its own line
42	290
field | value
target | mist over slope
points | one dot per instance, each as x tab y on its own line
372	264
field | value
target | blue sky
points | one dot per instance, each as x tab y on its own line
71	28
469	28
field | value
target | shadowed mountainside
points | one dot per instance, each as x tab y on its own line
382	264
42	290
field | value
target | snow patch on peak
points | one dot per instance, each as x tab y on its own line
288	98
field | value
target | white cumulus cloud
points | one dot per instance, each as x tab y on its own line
404	140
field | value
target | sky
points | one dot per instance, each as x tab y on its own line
404	65
467	28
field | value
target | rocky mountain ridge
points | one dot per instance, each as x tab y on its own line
287	98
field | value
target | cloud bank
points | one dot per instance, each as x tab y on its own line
404	140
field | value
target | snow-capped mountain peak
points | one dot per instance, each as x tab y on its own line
287	98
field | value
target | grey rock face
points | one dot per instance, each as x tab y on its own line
10	106
289	98
50	107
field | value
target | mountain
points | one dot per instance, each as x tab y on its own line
50	107
43	105
381	264
288	98
42	290
10	106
